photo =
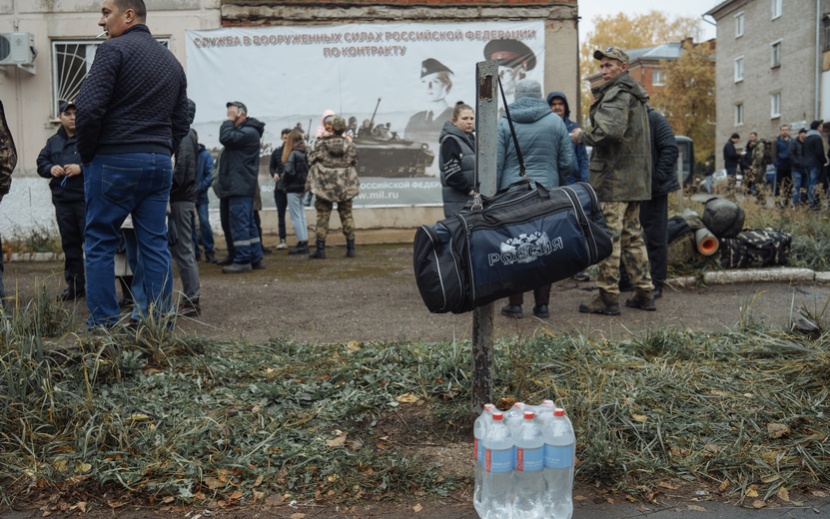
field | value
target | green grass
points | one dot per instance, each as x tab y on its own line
154	415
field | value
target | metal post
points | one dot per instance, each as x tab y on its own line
487	118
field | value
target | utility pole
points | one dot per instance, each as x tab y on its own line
487	118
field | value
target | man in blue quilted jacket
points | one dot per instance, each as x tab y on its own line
132	115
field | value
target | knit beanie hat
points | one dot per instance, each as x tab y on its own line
528	88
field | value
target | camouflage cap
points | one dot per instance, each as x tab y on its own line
338	124
612	53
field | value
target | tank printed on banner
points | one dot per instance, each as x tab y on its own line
382	153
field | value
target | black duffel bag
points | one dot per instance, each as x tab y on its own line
522	237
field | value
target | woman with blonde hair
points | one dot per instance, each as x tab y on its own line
295	161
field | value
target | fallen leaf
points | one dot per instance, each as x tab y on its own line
784	495
417	508
168	499
711	447
695	508
580	498
724	485
138	416
258	481
818	493
274	500
639	417
752	491
115	504
352	346
664	484
85	467
777	430
199	495
82	506
758	503
408	398
298	515
213	483
236	495
338	441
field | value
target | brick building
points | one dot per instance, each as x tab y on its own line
772	66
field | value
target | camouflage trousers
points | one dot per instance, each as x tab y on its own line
623	220
324	208
755	181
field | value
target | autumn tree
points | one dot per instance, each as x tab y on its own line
692	113
645	30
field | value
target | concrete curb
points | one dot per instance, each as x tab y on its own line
34	256
779	274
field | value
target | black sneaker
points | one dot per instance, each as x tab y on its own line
514	311
541	311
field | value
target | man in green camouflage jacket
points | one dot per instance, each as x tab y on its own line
758	177
332	177
620	172
8	161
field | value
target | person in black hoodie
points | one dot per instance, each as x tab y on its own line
183	196
60	162
796	153
814	160
654	213
238	181
457	159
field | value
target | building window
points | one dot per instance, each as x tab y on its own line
776	8
739	69
739	114
739	24
775	105
658	78
71	61
775	54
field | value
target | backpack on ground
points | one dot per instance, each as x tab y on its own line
755	248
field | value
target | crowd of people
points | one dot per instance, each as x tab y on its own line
801	166
130	180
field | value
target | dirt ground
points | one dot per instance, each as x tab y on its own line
373	297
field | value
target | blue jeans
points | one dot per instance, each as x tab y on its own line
246	245
114	186
137	287
799	183
202	228
296	211
811	190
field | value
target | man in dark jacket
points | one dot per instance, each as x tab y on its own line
8	161
238	179
183	197
654	213
798	173
132	115
783	165
59	161
814	160
620	172
731	161
559	105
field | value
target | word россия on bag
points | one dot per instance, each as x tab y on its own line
522	237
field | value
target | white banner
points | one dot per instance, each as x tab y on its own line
408	76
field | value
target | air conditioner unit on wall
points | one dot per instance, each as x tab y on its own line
17	48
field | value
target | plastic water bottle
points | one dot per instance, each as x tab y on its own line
513	417
498	470
544	413
559	467
479	431
529	478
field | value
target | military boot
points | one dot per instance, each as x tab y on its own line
643	299
350	248
320	253
604	303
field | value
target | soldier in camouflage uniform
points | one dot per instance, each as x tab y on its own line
620	172
759	169
332	177
8	161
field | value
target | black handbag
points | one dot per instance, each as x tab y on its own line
523	237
